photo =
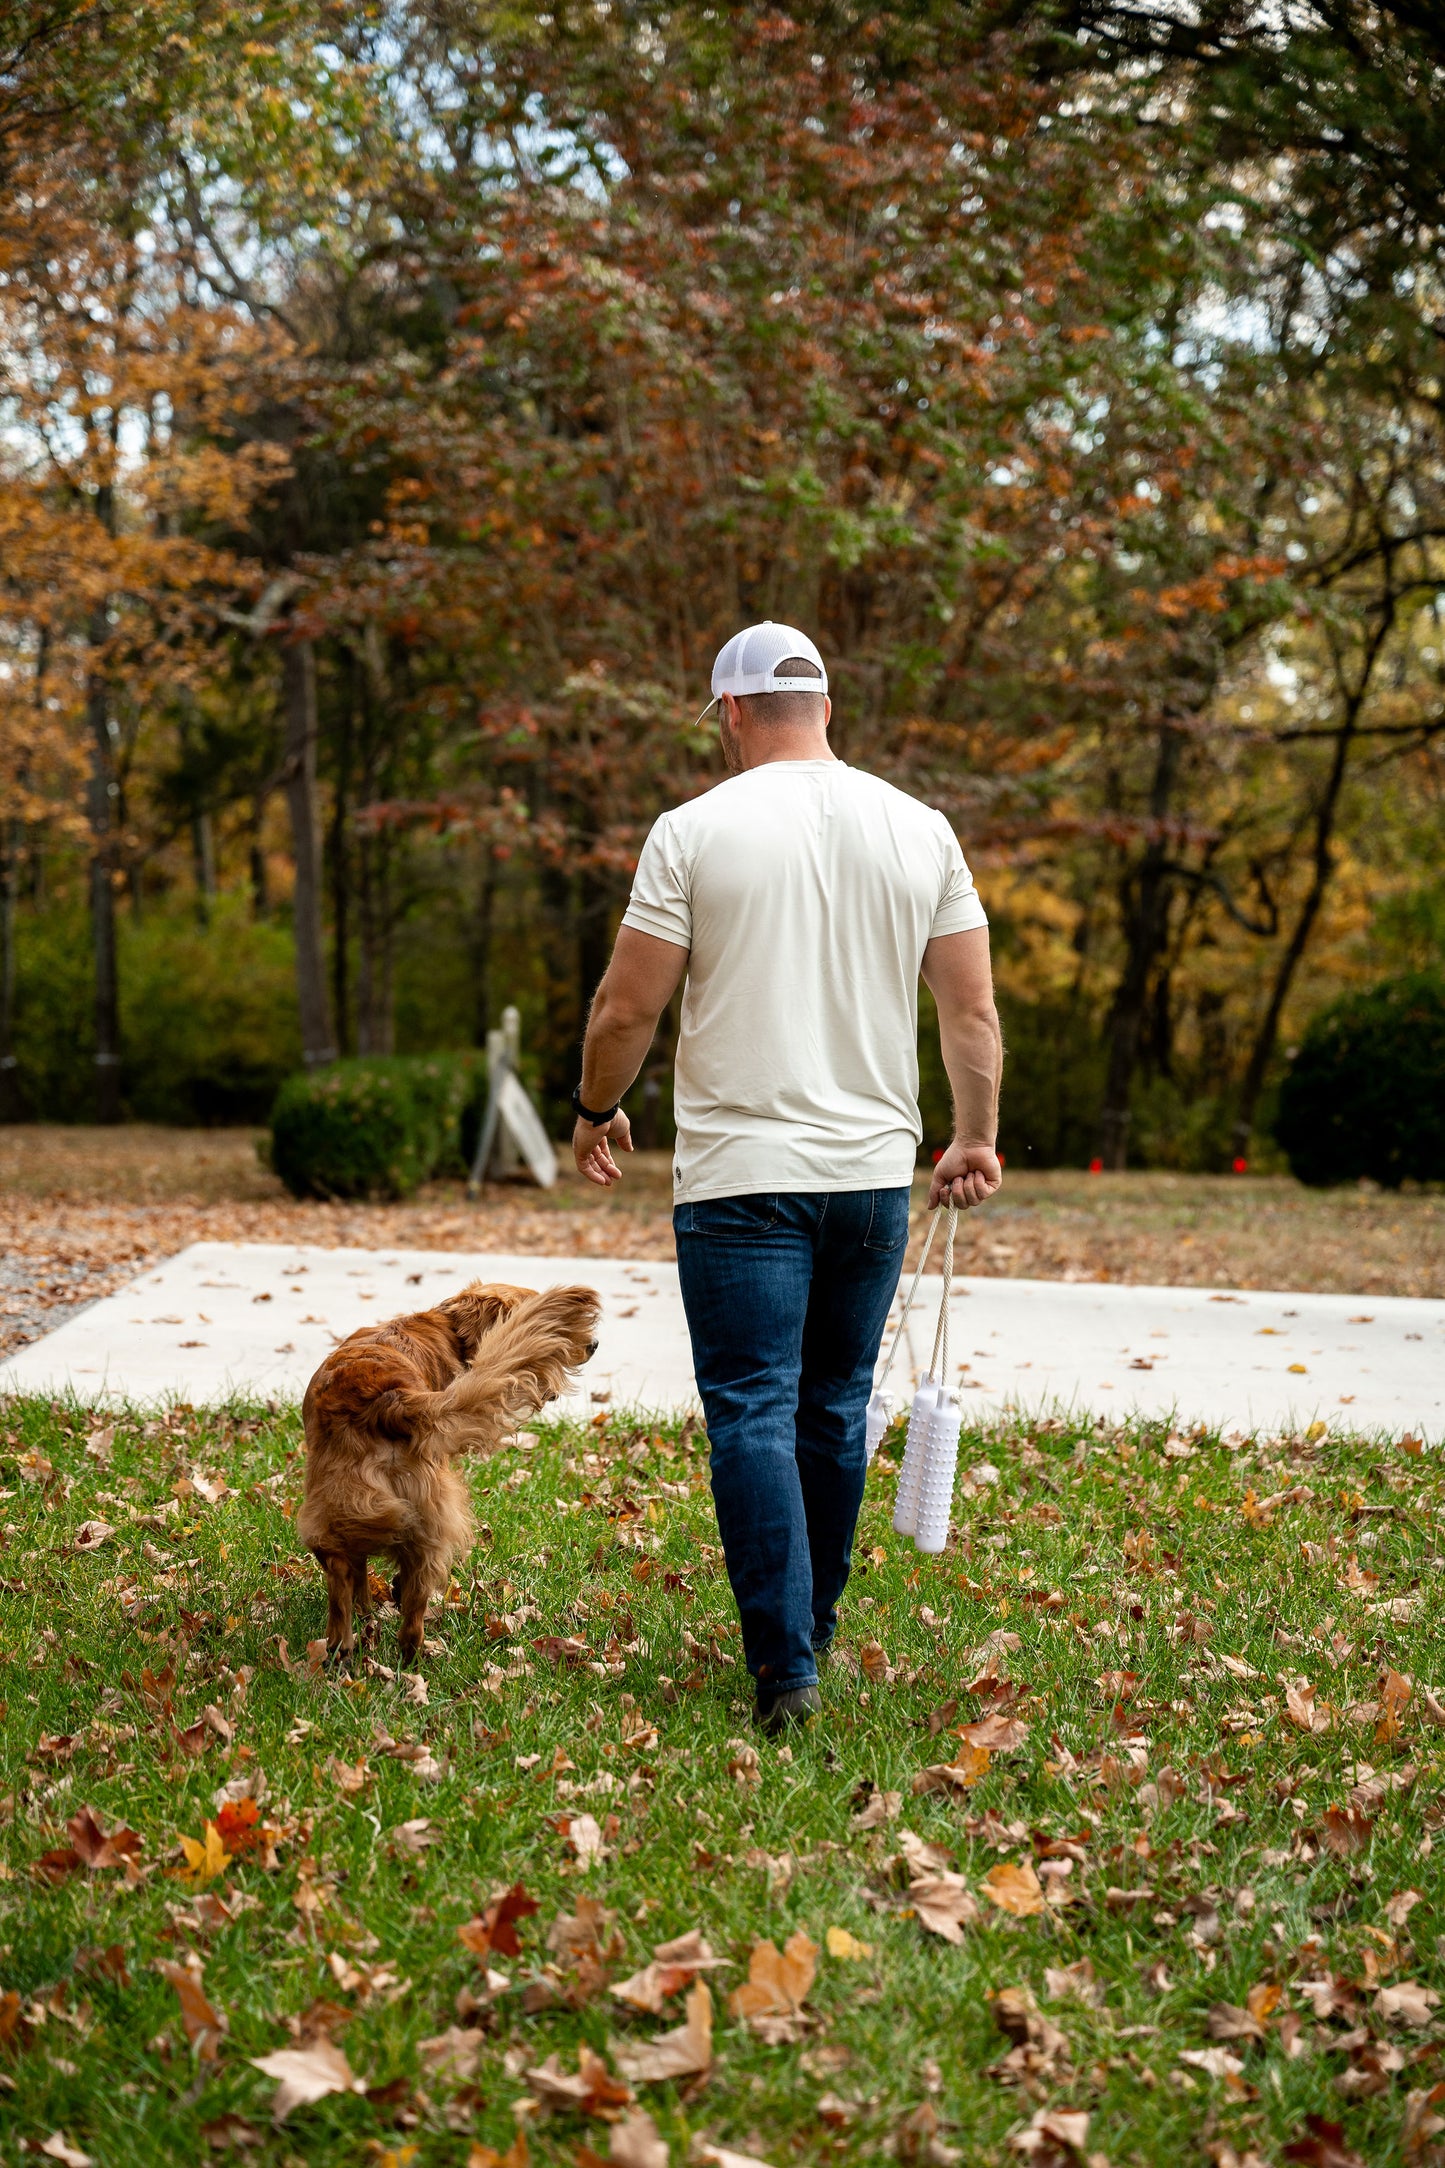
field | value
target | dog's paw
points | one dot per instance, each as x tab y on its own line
340	1658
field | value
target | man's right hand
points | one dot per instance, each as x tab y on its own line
966	1175
592	1150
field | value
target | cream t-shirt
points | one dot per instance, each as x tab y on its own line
805	893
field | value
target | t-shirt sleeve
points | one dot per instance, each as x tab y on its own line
661	900
959	909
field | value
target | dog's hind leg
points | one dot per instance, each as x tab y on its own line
422	1574
361	1601
340	1640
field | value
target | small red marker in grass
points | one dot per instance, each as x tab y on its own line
1241	1166
1096	1166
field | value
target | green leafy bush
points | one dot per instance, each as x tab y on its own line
208	1014
373	1127
1365	1095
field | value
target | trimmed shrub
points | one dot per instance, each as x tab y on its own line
377	1126
1365	1095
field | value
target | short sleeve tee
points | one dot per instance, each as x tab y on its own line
805	893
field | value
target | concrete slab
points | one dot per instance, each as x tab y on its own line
257	1318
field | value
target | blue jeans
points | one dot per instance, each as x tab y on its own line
786	1300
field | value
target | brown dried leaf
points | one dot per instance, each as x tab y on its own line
778	1981
452	2055
591	2090
1015	1890
678	2054
944	1903
1345	1831
495	1929
305	2074
636	2142
205	2025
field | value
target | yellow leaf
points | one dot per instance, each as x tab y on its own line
842	1944
1013	1889
1299	1370
206	1860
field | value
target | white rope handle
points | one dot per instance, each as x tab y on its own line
908	1300
940	1337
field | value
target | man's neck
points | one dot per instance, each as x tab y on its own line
762	748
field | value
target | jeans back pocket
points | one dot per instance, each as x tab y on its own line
738	1217
888	1220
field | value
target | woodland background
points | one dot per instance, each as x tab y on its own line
400	402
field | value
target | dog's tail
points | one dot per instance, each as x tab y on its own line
522	1363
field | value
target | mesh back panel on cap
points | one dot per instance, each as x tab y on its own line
748	663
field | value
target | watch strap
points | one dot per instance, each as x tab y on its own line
587	1114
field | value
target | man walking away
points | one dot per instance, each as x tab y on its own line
802	898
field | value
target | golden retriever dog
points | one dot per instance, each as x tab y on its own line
386	1416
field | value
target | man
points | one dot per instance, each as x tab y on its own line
802	898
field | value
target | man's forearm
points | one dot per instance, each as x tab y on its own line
972	1045
614	1050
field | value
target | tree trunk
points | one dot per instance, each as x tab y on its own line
1262	1052
260	885
299	772
12	1099
102	796
203	856
1146	921
375	1005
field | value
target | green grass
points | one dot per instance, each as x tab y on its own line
621	1548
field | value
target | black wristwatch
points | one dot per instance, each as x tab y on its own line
585	1114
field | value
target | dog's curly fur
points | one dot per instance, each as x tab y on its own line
388	1411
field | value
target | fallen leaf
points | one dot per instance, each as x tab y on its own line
678	2054
675	1965
58	2147
875	1663
1402	1904
496	1929
721	2156
1076	1981
238	1825
205	1859
91	1534
487	2156
1301	1709
305	2074
591	2090
776	1986
636	2142
205	2025
944	1903
1016	1890
415	1837
994	1733
922	1857
880	1807
1323	2146
1407	2004
841	1944
1345	1831
1263	1999
232	2129
95	1849
583	1833
1054	2134
1227	2021
955	1776
1214	2062
452	2055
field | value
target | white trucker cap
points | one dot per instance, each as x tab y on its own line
749	663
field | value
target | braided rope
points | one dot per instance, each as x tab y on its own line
940	1337
908	1303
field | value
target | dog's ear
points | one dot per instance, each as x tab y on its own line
476	1309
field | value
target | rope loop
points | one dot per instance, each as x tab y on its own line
938	1366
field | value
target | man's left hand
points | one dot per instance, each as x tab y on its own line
591	1148
966	1175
